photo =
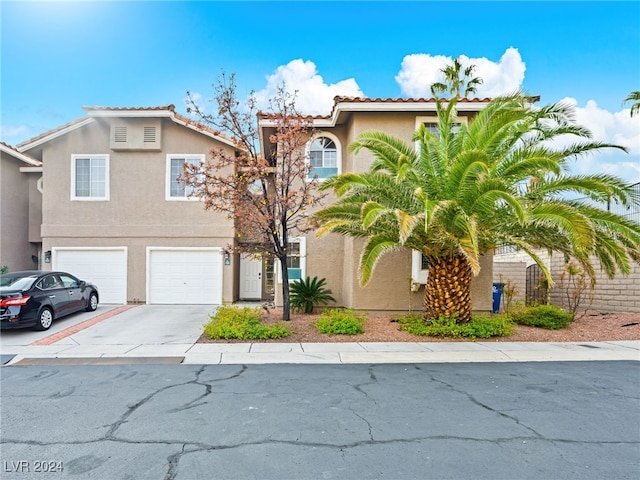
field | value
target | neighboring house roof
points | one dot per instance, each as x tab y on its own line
167	111
8	149
344	105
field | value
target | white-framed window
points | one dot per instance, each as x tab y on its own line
296	259
323	152
176	188
90	177
431	124
419	268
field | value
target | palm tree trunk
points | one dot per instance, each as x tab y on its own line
448	289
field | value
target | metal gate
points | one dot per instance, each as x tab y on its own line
536	293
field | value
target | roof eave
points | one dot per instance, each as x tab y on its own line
129	113
201	129
29	144
20	156
31	169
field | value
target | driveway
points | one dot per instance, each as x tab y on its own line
150	325
26	336
145	330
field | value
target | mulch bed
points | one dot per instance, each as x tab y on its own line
381	328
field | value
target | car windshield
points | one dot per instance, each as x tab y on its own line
16	282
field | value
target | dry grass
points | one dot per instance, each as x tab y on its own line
593	327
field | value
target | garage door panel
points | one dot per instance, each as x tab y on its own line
191	276
106	268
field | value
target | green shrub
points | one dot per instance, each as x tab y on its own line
543	316
484	326
242	324
341	322
307	293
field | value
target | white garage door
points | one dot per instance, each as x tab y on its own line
104	267
189	276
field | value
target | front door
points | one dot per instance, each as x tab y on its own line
250	278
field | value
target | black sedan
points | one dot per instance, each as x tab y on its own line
36	298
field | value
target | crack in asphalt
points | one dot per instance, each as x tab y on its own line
110	435
477	402
374	380
184	448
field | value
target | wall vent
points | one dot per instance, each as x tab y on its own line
135	134
149	135
120	134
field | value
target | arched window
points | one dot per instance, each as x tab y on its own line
324	158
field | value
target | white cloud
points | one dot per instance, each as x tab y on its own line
13	134
420	70
617	128
314	96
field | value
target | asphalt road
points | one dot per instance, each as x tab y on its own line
571	420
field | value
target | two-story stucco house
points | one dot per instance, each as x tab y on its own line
397	282
21	212
115	212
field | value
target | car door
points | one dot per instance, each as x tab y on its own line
56	294
75	292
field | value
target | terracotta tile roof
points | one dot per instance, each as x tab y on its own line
382	101
19	155
396	101
339	99
169	107
92	110
200	126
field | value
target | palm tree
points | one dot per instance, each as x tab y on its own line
455	79
634	97
469	189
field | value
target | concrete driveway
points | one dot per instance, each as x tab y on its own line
148	324
26	336
113	330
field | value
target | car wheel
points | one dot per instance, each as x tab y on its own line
45	318
92	304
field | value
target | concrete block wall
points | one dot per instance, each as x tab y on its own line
618	295
515	273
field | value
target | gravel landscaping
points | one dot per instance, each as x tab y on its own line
591	327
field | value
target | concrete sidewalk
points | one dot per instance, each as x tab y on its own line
369	353
151	333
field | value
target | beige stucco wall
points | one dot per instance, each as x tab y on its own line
337	259
137	214
19	215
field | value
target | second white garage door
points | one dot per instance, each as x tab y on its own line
189	276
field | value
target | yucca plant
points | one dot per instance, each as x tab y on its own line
309	292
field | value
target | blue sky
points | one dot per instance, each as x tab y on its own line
58	56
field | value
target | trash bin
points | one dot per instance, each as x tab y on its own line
497	297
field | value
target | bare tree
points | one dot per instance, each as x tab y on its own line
267	194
